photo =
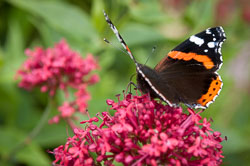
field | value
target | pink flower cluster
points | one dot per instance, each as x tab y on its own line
59	68
142	131
54	68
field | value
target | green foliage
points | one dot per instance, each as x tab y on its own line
29	23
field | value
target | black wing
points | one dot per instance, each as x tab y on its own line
188	73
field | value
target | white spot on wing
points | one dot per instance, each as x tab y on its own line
211	44
208	31
198	41
220	44
220	66
220	56
219	50
206	50
199	106
223	32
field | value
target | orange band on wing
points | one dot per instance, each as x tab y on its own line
207	62
212	92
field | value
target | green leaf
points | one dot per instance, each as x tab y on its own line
14	51
199	14
149	12
54	135
139	34
49	35
38	157
97	15
30	154
62	16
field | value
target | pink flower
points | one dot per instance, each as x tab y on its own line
60	68
143	131
55	119
94	79
82	97
55	68
66	110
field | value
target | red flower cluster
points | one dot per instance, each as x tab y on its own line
54	68
59	68
143	132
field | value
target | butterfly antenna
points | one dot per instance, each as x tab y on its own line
119	37
107	41
153	50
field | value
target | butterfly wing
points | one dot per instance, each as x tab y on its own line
204	48
189	70
189	85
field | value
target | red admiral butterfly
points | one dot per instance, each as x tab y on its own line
187	74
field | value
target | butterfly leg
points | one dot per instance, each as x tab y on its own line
131	82
129	86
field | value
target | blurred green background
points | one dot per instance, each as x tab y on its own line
144	24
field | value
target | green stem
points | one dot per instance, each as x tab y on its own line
42	122
35	131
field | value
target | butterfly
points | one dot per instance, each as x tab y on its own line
187	74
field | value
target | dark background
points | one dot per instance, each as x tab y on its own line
143	24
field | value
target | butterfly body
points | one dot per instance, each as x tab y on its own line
187	74
142	84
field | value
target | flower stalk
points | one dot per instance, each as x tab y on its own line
36	130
